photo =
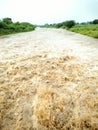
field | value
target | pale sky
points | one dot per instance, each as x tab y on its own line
49	11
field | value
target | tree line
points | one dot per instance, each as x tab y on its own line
7	26
69	24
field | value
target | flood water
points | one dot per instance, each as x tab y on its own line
48	81
50	41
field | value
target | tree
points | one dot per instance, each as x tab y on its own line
7	20
70	23
3	25
8	27
59	25
95	21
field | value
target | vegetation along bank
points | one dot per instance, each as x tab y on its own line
86	28
7	26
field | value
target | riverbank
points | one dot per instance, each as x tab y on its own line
7	26
86	29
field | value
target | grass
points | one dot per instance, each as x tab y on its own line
87	29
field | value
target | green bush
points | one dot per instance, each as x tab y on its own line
65	24
95	21
8	27
7	20
86	29
3	25
70	23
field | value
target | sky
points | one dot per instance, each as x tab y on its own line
49	11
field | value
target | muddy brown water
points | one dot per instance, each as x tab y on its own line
48	81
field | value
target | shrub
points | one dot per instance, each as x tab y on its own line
70	23
87	29
8	27
95	21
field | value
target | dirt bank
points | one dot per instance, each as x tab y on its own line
48	81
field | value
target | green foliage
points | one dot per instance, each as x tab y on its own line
3	25
8	27
95	21
7	20
70	23
65	24
86	29
59	25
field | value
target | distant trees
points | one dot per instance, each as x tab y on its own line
70	23
3	25
7	20
65	24
59	25
95	21
87	28
7	26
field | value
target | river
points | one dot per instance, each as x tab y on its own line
48	80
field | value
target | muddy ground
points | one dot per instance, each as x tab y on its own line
48	81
